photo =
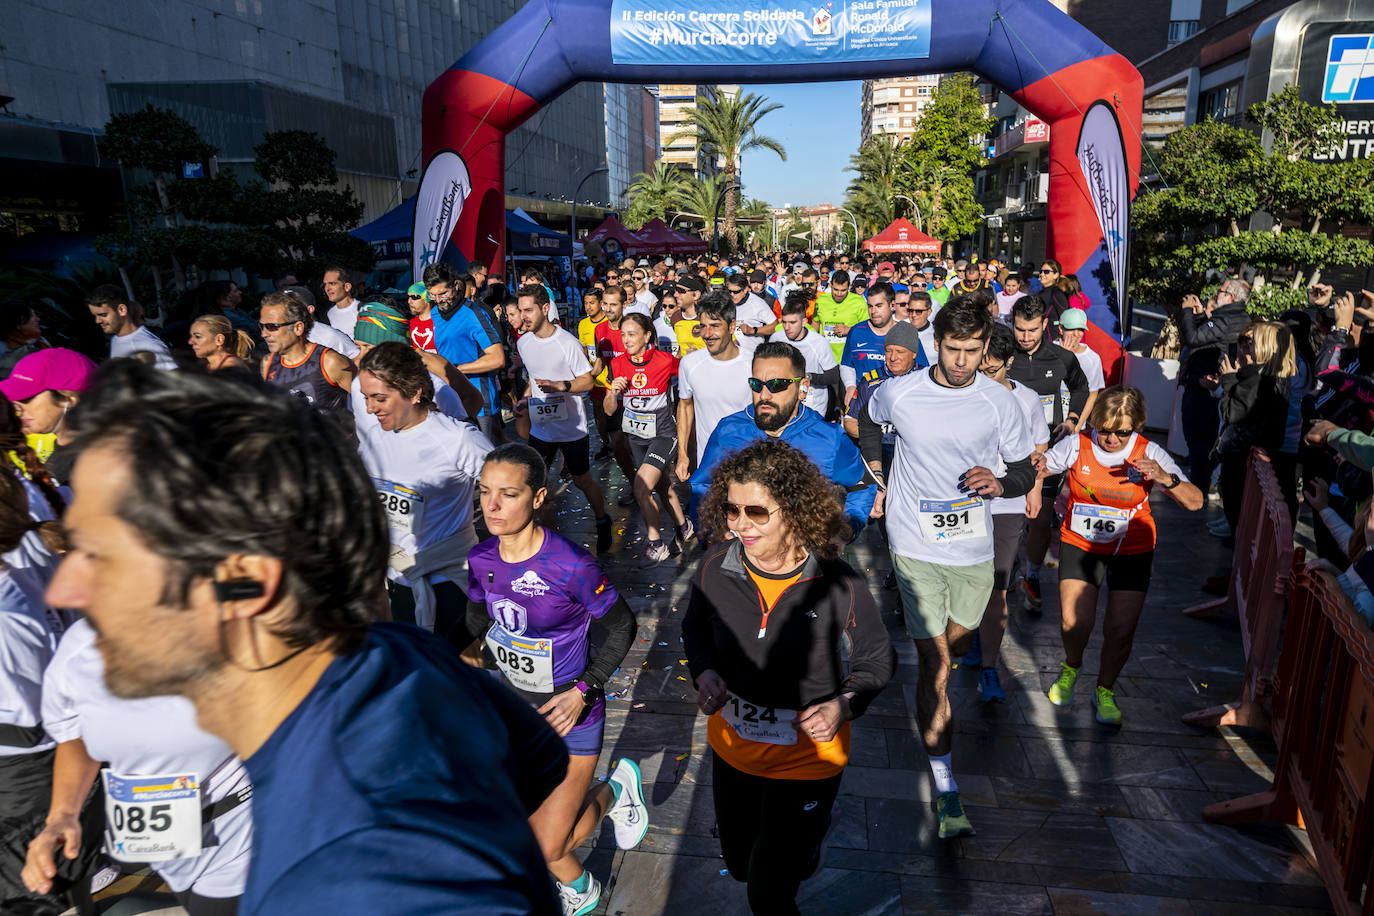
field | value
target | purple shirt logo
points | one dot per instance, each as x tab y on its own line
529	584
510	615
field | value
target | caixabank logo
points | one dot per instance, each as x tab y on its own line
1349	69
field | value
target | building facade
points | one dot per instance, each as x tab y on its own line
353	70
893	105
680	146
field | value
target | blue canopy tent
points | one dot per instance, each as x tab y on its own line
390	234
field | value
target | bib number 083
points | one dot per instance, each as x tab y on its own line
509	658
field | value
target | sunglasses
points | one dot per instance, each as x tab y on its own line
756	514
275	327
775	385
1119	433
413	298
1046	270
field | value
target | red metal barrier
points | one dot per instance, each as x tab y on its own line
1324	725
1259	576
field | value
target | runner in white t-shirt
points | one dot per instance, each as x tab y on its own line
122	321
559	375
821	367
202	821
754	320
338	289
953	426
1072	326
425	467
1009	516
712	382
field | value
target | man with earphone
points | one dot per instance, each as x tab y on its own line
228	547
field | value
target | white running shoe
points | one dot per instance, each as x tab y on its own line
575	904
629	815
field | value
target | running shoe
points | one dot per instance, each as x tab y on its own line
657	552
974	656
603	534
686	531
1104	705
990	687
890	583
603	455
1061	691
629	815
104	878
575	904
953	821
627	498
1030	592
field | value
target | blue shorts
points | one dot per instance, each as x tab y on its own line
585	738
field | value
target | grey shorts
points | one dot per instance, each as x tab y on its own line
933	595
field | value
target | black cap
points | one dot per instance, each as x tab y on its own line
758	276
690	283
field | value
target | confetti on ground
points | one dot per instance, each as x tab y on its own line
724	872
1204	685
667	667
663	644
680	757
639	706
681	678
683	661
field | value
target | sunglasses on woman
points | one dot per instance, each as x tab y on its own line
756	514
775	385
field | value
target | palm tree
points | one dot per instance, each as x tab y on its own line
701	196
927	181
878	166
797	223
727	127
653	195
759	214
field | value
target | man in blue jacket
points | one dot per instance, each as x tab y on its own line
779	386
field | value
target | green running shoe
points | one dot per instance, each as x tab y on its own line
953	820
1104	702
1061	691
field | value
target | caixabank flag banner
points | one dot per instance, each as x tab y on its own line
1337	68
658	32
1102	156
443	189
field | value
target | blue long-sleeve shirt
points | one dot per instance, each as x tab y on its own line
824	443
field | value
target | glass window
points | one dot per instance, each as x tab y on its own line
1180	29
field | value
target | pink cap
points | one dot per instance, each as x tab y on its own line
53	369
886	265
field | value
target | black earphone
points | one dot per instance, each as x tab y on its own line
237	589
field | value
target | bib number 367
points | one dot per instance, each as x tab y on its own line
152	818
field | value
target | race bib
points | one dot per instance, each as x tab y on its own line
638	423
889	434
551	409
763	724
831	334
1047	404
152	818
944	521
526	661
1099	524
405	509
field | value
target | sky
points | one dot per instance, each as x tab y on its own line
818	125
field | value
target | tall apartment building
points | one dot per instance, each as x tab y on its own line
893	105
352	70
684	152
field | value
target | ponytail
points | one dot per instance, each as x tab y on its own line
243	344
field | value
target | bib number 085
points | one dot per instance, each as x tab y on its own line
136	819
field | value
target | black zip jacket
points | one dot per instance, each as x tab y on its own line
1206	339
1254	407
1043	370
795	662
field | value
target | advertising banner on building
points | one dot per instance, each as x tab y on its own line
1336	67
443	188
719	32
1102	156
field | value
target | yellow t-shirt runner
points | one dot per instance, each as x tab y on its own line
586	335
687	339
851	311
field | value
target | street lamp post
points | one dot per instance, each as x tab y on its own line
915	210
856	227
572	219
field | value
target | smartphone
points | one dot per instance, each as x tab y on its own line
1232	352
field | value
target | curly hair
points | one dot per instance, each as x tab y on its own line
14	443
811	509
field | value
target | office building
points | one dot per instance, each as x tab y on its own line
893	105
680	146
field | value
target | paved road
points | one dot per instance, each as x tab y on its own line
1072	817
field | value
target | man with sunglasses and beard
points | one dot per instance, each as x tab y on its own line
779	384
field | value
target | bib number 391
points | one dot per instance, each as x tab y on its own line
763	724
152	818
948	520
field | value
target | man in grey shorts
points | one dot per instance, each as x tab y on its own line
953	425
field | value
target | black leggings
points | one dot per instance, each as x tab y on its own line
196	905
450	610
771	832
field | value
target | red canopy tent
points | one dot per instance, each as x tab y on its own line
612	228
901	236
662	238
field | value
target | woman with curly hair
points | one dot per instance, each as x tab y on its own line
769	609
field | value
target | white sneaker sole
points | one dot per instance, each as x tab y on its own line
634	786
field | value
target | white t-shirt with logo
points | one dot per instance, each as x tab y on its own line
717	388
941	433
445	398
560	357
142	340
1035	418
344	317
754	312
425	477
153	736
820	357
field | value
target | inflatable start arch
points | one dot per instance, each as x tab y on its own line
1089	95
